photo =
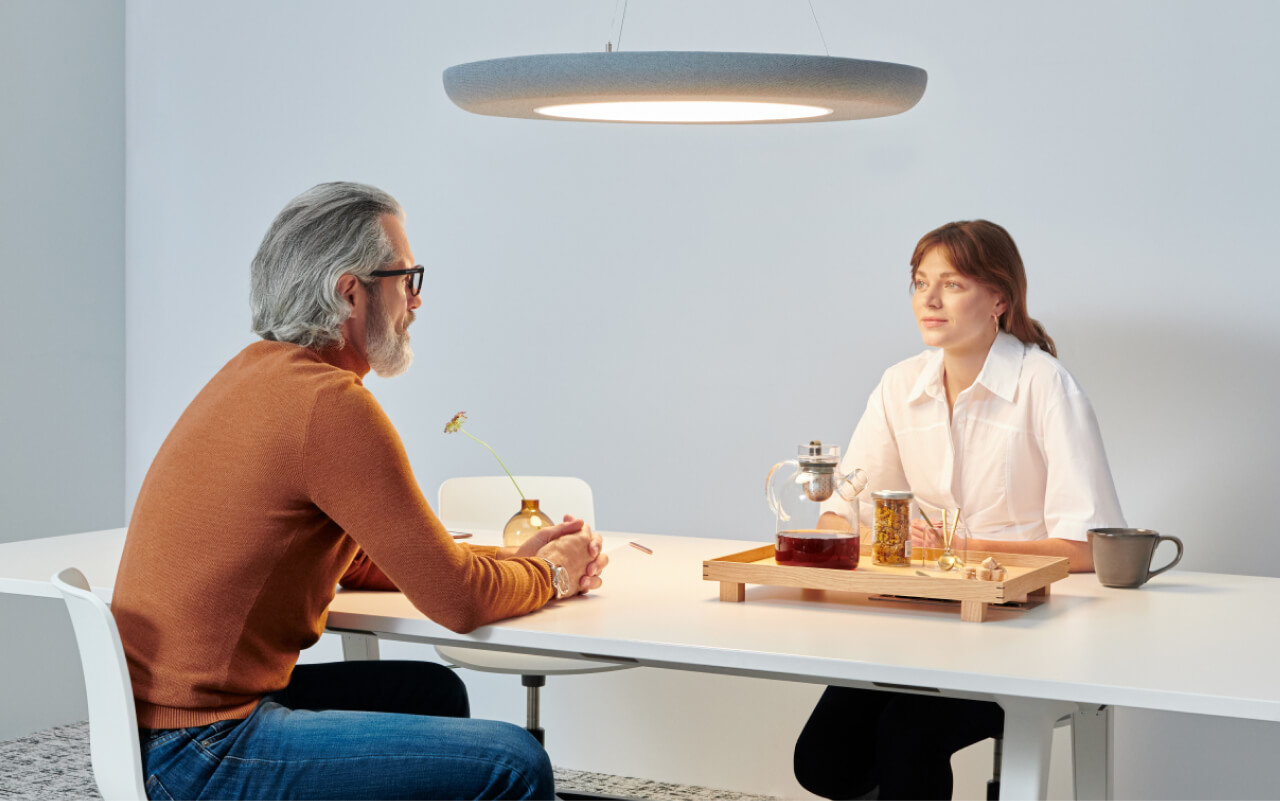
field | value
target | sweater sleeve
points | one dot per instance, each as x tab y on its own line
357	472
363	574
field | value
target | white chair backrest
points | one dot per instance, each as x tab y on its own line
490	501
113	723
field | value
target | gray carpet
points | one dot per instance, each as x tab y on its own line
53	765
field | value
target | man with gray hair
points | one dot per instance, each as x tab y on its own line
282	479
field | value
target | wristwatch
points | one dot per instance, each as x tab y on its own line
559	579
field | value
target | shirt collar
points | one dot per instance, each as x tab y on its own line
1003	367
929	383
1000	372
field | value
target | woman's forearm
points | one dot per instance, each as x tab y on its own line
1079	553
830	521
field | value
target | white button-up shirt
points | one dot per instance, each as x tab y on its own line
1021	454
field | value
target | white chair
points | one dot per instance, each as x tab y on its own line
488	502
113	724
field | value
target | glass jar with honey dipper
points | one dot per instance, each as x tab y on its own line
892	532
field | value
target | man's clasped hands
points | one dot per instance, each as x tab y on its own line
572	545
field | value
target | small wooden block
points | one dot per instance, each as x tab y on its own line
732	591
1043	591
971	611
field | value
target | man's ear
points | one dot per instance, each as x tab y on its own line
347	284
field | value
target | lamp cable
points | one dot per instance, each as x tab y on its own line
623	24
816	23
608	45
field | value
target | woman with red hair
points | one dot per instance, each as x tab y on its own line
988	421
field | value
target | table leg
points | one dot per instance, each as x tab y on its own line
1091	752
1028	736
359	647
732	591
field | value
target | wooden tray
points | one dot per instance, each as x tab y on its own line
1028	577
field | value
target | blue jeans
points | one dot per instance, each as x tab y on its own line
351	730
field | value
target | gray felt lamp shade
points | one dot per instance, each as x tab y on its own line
821	88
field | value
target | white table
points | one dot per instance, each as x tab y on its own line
1187	642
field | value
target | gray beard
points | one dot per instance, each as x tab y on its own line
389	352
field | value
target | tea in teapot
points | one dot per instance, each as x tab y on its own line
796	500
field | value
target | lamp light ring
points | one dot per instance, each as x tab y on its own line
851	89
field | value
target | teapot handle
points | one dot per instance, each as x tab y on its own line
854	482
774	505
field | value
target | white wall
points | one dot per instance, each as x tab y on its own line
62	262
613	300
623	302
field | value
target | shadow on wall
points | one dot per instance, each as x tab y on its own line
1187	416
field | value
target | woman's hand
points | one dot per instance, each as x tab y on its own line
921	533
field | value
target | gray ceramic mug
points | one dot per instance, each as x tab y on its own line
1122	556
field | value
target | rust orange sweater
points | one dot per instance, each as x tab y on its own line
281	478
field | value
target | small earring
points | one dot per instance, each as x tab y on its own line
997	319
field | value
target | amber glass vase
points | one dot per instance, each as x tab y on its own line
524	523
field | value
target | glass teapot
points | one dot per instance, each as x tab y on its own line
795	497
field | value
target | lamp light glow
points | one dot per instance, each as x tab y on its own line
683	111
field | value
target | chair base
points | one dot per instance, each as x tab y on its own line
534	683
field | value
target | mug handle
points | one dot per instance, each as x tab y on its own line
1159	539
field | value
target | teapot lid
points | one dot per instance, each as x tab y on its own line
814	452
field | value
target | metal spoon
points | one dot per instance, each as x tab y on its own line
948	560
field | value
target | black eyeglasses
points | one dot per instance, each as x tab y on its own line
413	283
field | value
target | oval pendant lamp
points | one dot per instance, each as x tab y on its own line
684	87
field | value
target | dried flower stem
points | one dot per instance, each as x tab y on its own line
495	455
